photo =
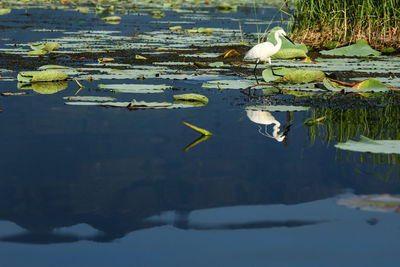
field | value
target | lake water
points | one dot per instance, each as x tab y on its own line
101	186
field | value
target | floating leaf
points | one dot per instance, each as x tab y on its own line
5	11
175	28
217	64
369	85
112	19
37	46
89	98
359	49
197	129
135	88
140	57
268	76
374	146
191	98
227	84
230	53
105	60
46	67
51	46
157	14
82	9
37	53
13	93
303	76
290	53
42	76
384	202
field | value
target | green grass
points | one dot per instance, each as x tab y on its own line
346	21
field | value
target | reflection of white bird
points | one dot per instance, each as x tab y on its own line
266	118
264	51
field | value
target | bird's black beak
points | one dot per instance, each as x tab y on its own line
287	38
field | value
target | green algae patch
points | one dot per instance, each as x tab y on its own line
359	49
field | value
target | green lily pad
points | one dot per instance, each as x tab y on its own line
191	98
373	146
5	11
384	202
112	18
51	46
369	85
42	76
269	77
89	98
37	53
46	67
135	88
287	53
303	76
37	46
293	75
359	49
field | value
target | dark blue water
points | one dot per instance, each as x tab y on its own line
107	186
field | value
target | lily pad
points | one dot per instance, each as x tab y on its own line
374	146
384	202
89	98
293	75
290	53
303	76
5	11
191	98
269	76
369	85
111	19
37	53
359	49
51	46
135	88
42	76
46	67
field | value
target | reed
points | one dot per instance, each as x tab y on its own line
320	22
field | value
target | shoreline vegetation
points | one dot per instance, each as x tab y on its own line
329	23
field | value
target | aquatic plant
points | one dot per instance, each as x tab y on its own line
319	23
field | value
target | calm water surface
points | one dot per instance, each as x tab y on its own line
106	186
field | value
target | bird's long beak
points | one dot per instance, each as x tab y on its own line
287	38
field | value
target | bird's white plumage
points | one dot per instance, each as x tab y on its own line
264	51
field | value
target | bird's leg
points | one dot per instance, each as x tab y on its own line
255	70
273	73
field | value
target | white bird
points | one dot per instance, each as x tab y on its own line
266	118
264	51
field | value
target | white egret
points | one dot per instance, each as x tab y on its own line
266	118
264	51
